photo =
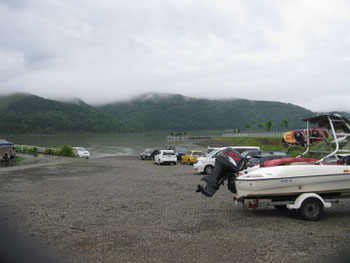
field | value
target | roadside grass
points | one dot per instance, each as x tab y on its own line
19	158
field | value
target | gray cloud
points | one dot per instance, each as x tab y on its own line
290	51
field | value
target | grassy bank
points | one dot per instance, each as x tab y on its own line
64	150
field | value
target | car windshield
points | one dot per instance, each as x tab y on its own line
198	153
168	153
264	153
181	150
243	149
244	154
280	153
214	153
149	150
80	149
210	150
273	153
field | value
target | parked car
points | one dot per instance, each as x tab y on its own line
148	154
191	156
179	151
206	164
263	153
209	150
165	157
259	157
338	159
81	152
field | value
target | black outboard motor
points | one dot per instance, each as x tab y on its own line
227	165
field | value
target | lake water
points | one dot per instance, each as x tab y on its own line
107	144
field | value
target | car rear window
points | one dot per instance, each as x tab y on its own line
168	153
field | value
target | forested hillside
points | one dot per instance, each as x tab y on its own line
25	113
179	113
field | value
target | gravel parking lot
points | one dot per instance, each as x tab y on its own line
122	209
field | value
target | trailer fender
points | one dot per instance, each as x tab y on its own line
301	198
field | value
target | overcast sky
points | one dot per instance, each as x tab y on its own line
295	51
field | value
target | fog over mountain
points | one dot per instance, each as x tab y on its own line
26	113
290	51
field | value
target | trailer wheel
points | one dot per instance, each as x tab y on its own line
311	209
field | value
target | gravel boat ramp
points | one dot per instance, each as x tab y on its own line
122	209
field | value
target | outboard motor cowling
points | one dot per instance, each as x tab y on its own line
227	165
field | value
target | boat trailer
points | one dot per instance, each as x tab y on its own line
309	205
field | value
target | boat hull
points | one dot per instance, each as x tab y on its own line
294	180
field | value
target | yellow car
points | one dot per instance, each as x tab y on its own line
191	156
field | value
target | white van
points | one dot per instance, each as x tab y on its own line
206	164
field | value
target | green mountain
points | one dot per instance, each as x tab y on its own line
25	113
178	113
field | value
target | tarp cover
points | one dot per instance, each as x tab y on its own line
4	143
287	161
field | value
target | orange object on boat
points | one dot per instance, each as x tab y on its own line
296	137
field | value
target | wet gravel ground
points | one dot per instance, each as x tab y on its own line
122	209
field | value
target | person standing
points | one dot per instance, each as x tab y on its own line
12	153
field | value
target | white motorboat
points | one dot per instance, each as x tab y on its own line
289	178
293	180
297	177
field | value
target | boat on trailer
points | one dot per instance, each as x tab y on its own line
302	183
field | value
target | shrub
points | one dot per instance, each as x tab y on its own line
48	151
33	149
25	149
66	150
